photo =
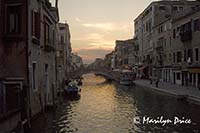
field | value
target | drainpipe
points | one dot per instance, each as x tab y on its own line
27	63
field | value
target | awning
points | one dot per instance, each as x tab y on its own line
142	68
194	70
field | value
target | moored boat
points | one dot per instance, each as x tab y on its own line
72	88
126	77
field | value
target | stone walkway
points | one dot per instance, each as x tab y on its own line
191	93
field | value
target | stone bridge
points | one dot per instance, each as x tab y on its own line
108	74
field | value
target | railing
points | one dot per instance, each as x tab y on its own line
186	36
100	70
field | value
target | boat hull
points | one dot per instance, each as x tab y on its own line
72	90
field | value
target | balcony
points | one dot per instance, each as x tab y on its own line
48	48
159	49
186	36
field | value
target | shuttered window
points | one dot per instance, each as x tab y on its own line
36	24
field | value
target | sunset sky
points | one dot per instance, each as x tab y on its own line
96	24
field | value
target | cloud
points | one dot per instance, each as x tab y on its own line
78	19
95	40
94	36
89	55
102	44
109	26
102	26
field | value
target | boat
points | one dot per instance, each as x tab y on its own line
126	77
72	88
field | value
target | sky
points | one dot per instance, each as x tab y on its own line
96	24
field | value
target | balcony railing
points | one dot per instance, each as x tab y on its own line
186	36
159	49
48	48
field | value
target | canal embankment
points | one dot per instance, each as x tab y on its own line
180	92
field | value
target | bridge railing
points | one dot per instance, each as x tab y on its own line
98	70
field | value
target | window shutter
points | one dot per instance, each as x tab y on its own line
38	28
32	22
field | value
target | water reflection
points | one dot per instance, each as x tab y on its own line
111	108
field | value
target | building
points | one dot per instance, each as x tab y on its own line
126	53
42	54
97	64
108	60
77	61
13	63
65	38
63	50
27	49
185	47
152	22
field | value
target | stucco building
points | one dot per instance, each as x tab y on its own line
152	30
27	60
186	46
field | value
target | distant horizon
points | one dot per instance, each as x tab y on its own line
96	24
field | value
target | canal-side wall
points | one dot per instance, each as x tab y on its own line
180	92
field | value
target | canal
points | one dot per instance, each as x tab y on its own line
107	107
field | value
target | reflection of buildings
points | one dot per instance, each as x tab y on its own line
29	30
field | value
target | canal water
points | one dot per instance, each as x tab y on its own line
107	107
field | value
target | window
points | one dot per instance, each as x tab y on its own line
174	57
34	76
160	29
170	42
190	55
62	39
35	24
175	8
194	78
1	97
186	27
170	57
178	76
162	8
179	56
13	19
197	25
174	33
180	8
54	37
196	54
46	34
58	54
185	55
10	96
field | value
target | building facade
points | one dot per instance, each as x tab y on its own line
152	30
13	63
77	61
63	52
186	45
27	63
